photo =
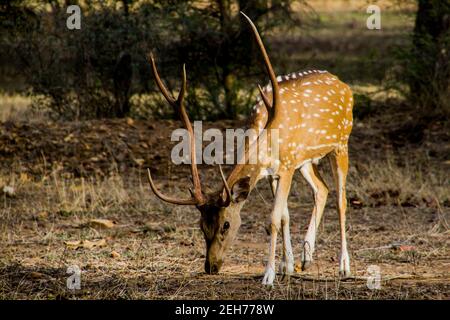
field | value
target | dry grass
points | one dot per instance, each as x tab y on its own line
400	184
160	249
342	6
14	108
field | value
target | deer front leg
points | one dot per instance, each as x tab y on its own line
281	196
287	264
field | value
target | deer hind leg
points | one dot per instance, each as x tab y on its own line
287	264
339	166
281	196
312	176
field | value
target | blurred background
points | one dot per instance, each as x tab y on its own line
102	69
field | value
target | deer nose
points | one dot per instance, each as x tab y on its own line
212	268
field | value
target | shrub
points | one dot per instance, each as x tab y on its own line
425	65
81	73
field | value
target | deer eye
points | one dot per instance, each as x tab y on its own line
226	225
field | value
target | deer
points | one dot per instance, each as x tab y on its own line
312	113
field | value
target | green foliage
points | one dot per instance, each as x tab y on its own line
219	51
364	106
71	72
424	65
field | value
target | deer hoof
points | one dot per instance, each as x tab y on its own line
286	268
344	265
306	264
269	276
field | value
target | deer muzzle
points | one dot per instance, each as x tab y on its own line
212	266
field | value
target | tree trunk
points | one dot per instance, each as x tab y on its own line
123	73
233	37
228	78
430	61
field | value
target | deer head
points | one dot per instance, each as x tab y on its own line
220	211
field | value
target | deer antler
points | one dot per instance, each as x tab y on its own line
178	104
272	109
228	198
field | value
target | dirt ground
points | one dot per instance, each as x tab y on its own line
58	178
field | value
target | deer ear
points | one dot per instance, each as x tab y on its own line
241	189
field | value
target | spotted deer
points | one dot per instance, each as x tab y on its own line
312	113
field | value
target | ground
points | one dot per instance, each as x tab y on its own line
58	178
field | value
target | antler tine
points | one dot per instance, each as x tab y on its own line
185	118
266	102
178	105
226	203
190	201
180	99
160	84
273	78
194	171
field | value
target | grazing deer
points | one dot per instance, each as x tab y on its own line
312	111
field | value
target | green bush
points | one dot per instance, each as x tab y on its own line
72	72
425	63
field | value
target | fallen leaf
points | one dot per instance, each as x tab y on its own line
24	177
73	244
356	203
68	138
102	223
36	275
42	215
115	254
86	244
406	248
153	227
402	247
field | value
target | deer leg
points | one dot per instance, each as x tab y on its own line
281	196
339	166
312	176
287	264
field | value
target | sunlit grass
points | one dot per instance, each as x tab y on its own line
14	107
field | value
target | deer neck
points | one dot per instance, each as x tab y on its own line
264	165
